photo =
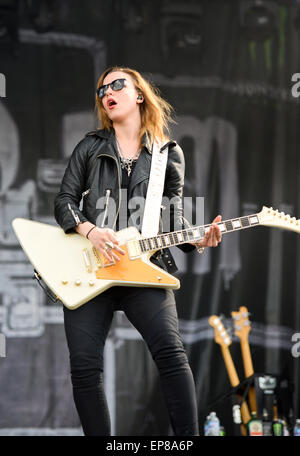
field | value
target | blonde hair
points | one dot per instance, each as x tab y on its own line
156	113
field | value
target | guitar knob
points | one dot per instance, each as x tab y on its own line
64	281
91	283
77	282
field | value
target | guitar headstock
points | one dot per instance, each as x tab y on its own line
221	335
271	217
241	323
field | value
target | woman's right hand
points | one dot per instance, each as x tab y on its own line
100	236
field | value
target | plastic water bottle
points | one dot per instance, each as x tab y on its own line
297	428
212	425
206	425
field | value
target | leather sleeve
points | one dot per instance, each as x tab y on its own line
174	183
66	203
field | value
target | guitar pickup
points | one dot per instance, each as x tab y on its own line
134	250
87	260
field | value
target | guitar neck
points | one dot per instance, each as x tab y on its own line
196	233
247	359
232	373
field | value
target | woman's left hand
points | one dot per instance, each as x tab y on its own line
212	237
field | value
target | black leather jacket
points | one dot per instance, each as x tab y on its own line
94	168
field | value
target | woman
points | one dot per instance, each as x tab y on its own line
106	161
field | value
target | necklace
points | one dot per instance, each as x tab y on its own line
126	163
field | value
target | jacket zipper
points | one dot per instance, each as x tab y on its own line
77	219
85	193
120	193
107	195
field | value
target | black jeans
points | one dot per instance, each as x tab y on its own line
153	313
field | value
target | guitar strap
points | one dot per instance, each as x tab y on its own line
150	225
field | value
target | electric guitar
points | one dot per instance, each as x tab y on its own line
224	340
76	272
242	328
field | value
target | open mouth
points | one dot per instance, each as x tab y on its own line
111	103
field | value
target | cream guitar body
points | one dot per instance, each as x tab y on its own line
75	272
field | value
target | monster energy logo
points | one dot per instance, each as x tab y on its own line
2	86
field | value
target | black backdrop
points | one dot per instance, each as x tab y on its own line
227	70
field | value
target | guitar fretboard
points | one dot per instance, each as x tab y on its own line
195	234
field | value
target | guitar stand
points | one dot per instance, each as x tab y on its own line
241	392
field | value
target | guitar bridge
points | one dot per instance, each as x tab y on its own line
102	262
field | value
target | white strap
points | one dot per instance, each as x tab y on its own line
150	224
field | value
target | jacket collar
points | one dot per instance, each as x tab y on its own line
110	136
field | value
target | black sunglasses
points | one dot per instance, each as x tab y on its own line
117	84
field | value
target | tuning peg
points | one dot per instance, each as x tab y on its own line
215	321
245	314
